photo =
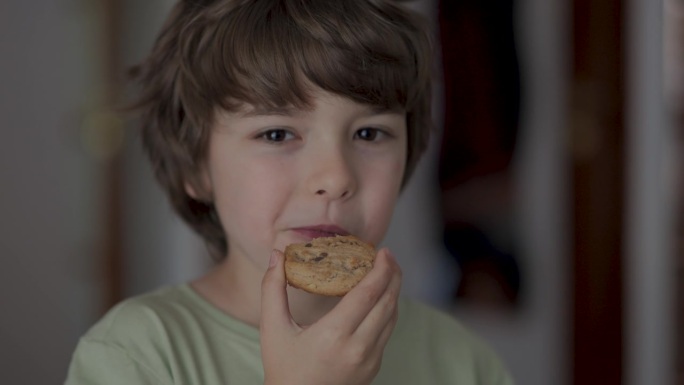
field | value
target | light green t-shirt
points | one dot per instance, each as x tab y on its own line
174	336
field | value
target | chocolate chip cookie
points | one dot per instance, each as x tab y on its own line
329	265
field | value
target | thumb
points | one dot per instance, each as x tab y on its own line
275	310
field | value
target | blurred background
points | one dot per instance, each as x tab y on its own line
547	214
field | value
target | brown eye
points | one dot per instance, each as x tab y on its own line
369	134
276	135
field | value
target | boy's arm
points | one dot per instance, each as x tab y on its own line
343	347
99	363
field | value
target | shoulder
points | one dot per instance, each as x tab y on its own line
419	320
130	343
425	331
143	315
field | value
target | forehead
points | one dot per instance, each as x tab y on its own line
318	100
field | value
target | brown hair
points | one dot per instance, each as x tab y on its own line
223	53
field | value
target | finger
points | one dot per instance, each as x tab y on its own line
385	309
355	305
377	346
275	311
386	333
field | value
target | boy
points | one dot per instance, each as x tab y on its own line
271	122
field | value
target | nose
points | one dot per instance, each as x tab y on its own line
332	175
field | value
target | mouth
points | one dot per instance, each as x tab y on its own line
318	231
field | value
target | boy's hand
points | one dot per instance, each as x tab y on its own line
345	346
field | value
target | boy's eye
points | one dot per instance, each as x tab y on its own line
368	134
276	135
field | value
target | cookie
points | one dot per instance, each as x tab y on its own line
329	265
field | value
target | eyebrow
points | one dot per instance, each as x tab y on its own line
379	110
270	111
292	111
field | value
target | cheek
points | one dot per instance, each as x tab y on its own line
248	197
382	192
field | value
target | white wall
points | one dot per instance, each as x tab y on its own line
48	200
652	201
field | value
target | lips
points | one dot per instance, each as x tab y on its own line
318	231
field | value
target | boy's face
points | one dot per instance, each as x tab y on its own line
279	177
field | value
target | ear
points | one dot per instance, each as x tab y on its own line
198	186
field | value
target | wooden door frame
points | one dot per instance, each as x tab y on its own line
598	139
112	73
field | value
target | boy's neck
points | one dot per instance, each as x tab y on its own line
239	295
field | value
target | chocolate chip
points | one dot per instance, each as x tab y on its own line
323	254
320	257
308	245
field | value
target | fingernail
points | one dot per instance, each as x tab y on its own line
274	259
